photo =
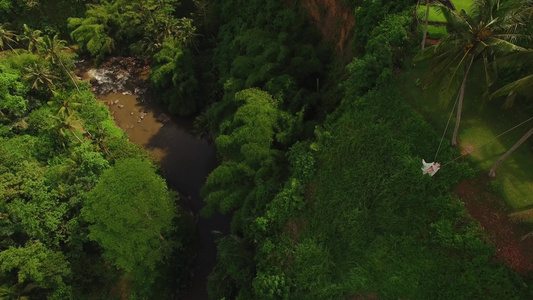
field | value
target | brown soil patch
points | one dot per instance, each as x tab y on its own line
484	206
335	21
431	42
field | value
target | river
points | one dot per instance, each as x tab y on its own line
186	161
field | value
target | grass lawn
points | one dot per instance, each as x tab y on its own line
437	31
462	4
434	14
481	124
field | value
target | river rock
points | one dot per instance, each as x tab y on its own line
120	106
163	118
113	75
139	91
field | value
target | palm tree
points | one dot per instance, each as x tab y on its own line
522	86
68	122
39	74
51	49
18	291
99	137
489	32
31	37
425	26
6	36
492	172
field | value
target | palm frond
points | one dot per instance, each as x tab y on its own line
515	12
524	215
517	58
501	47
522	86
427	53
513	37
456	20
525	236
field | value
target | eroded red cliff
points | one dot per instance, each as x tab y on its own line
335	21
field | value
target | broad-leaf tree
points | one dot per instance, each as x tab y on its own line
247	145
37	267
12	91
131	216
488	32
173	73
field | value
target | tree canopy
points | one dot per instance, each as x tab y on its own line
130	215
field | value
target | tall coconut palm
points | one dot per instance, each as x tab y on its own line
6	36
38	75
426	21
492	172
99	137
68	122
488	32
51	50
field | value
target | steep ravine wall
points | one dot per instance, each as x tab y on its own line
335	21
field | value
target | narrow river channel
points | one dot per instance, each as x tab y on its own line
186	160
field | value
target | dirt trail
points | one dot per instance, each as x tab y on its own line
483	205
335	21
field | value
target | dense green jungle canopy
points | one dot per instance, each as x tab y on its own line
318	161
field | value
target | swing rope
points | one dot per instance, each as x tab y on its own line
489	141
445	129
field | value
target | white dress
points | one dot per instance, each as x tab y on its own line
430	168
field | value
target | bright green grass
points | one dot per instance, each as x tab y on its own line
437	31
479	128
462	4
434	14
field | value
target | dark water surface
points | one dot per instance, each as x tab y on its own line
186	162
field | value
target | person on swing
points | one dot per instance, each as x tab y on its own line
430	168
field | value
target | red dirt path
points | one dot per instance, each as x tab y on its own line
483	205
